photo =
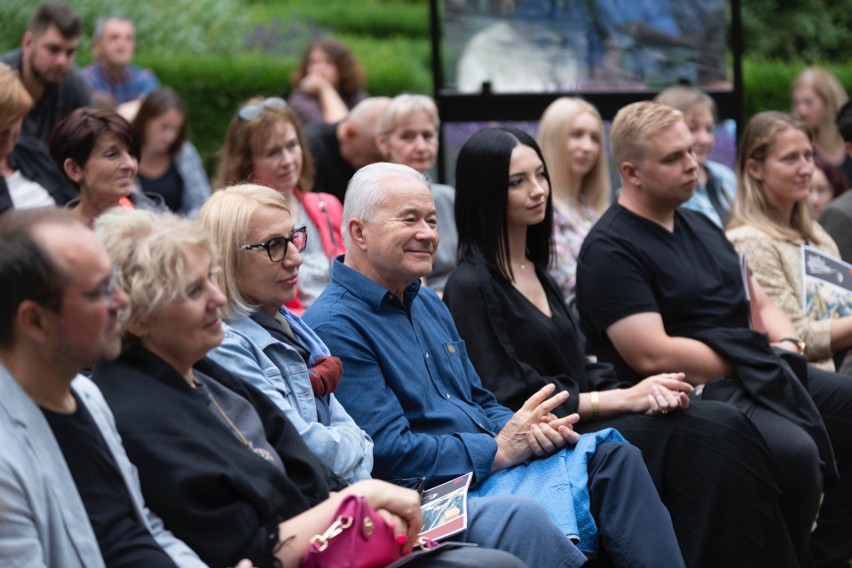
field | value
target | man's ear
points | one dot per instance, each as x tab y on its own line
350	129
27	41
630	173
32	321
357	237
72	170
754	169
383	145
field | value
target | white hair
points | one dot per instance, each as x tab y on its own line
365	193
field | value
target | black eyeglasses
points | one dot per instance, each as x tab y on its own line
107	291
252	111
276	247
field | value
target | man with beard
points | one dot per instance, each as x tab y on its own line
46	64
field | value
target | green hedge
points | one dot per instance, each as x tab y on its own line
767	83
214	87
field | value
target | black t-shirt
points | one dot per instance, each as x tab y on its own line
123	539
630	265
169	185
332	171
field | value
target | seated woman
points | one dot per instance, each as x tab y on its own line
520	336
266	344
98	151
771	222
28	177
717	183
169	164
817	96
265	144
827	183
408	134
572	139
328	82
217	460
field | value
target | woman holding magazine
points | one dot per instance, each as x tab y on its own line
770	223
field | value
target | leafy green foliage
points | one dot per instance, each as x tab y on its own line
796	30
165	26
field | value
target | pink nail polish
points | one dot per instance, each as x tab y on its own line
400	538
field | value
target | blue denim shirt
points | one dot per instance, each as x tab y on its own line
407	379
251	353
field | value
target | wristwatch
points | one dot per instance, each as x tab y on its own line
800	345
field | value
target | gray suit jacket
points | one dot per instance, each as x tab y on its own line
42	519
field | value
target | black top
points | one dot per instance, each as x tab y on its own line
332	171
169	185
630	265
123	539
32	157
212	492
515	348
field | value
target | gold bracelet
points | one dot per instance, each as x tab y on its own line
596	405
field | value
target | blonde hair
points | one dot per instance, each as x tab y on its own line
751	206
829	89
554	129
246	138
15	101
685	99
151	251
404	106
227	215
633	124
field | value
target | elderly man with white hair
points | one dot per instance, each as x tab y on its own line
408	382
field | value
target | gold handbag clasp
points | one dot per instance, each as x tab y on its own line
319	542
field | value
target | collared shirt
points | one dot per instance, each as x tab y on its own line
132	83
407	379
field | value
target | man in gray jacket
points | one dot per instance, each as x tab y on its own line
68	494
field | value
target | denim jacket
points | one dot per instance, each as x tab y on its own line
251	353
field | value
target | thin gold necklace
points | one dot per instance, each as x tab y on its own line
266	455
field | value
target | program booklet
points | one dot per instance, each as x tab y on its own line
444	508
827	283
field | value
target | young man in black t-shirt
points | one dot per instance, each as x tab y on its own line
652	280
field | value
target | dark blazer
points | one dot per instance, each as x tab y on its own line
32	158
211	491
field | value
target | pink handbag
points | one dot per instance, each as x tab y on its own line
358	537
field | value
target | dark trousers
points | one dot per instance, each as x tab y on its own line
831	542
830	545
718	480
635	528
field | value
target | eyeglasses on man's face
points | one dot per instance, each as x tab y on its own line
276	247
105	291
252	111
